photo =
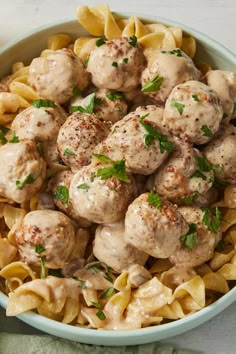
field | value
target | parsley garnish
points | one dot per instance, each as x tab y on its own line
101	315
107	293
14	139
97	267
234	108
68	152
75	90
117	170
39	148
102	158
98	101
133	41
83	186
199	174
176	52
225	115
190	239
27	180
87	109
212	218
85	62
115	64
206	130
56	273
125	60
3	132
178	105
100	41
61	194
115	96
190	199
43	103
39	249
81	283
195	97
154	199
153	134
92	176
153	85
204	166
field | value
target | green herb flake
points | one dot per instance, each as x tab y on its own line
189	199
43	103
225	115
107	293
100	41
102	158
39	148
126	60
30	179
40	249
3	132
179	106
206	130
14	139
190	239
153	85
133	41
195	97
61	194
47	111
81	283
154	199
83	186
101	315
75	90
92	176
87	109
115	96
68	152
56	273
219	182
176	52
98	101
85	62
96	304
98	268
152	134
211	218
199	174
117	170
115	64
234	108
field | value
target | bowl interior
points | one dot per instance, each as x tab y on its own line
209	51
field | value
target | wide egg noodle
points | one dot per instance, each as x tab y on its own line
15	274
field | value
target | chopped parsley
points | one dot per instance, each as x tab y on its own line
234	108
126	60
39	148
133	41
189	199
115	64
102	158
100	41
30	179
97	267
56	273
87	109
75	90
43	103
92	176
154	199
204	166
225	115
40	249
101	315
3	132
176	52
61	194
107	293
83	186
115	96
199	174
81	283
190	239
178	105
152	134
85	62
153	85
117	170
98	101
195	97
212	218
68	152
14	139
206	130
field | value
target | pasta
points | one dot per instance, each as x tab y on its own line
147	288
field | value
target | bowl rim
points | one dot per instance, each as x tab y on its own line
134	336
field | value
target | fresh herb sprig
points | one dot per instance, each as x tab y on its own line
153	85
212	219
40	249
30	179
189	240
154	199
61	194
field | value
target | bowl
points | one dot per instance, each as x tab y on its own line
209	51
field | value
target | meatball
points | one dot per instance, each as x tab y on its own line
59	186
100	197
152	229
205	240
41	124
108	106
224	84
78	137
171	68
129	140
111	248
183	175
193	112
22	170
50	229
117	65
55	76
220	152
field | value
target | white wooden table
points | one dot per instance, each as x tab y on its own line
217	18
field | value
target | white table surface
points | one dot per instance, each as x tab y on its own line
217	18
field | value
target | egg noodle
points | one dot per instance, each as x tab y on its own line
98	297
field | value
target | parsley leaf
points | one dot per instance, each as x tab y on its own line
39	249
3	132
153	134
117	170
189	199
211	218
115	96
102	158
75	90
126	60
153	85
204	165
107	293
85	62
39	148
97	267
101	315
133	41
87	109
154	199
43	103
178	105
68	152
234	108
83	186
92	176
206	130
115	64
56	273
30	179
176	52
195	97
199	174
100	41
61	194
14	139
190	239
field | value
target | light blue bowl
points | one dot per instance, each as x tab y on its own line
209	51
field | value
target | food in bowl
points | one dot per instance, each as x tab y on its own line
124	217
